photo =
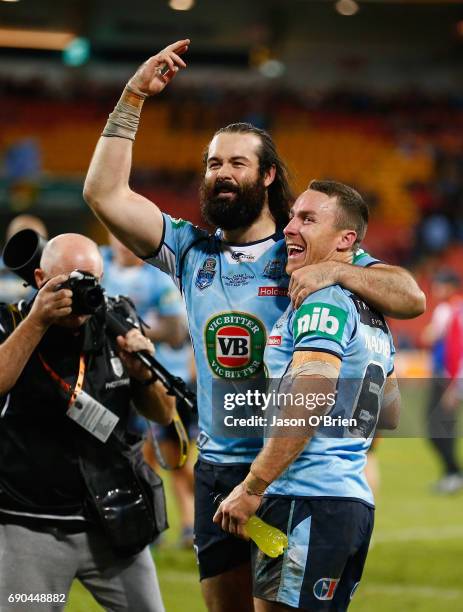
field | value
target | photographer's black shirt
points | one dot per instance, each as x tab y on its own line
40	446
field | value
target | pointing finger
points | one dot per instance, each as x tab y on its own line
178	60
180	46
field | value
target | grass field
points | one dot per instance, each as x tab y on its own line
416	562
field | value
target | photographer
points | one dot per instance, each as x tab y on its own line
76	499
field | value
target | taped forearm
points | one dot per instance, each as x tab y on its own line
124	120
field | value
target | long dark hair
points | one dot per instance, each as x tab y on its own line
280	195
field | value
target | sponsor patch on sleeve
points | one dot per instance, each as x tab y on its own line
320	319
177	223
359	254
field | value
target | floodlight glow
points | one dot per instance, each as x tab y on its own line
272	69
77	52
347	7
35	39
181	5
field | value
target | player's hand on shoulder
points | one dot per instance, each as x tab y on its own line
154	74
309	279
51	303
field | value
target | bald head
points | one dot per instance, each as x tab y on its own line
22	222
68	252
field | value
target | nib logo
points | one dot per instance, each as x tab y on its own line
320	319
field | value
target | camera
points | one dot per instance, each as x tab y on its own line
87	294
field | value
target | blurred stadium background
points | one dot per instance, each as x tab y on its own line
369	92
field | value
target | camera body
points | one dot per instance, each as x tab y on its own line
87	294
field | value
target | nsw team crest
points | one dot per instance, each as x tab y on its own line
274	269
206	273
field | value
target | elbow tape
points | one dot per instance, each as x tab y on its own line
316	368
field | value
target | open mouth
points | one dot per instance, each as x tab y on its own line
225	190
295	251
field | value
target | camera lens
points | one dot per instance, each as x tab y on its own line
93	298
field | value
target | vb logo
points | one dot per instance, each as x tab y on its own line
233	346
234	343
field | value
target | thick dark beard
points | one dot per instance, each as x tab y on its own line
241	212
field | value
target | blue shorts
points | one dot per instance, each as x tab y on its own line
328	541
217	551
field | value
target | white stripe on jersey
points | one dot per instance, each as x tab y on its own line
165	261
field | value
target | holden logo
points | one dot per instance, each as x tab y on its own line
235	343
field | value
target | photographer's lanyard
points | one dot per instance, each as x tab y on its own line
66	387
82	407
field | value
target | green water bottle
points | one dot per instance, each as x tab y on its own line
270	540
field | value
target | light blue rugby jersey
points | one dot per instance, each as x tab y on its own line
152	292
334	320
234	293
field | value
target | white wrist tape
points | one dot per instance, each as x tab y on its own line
123	121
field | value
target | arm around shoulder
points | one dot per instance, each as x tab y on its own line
391	290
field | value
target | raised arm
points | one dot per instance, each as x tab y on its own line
132	218
389	289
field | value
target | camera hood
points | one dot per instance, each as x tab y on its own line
22	254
